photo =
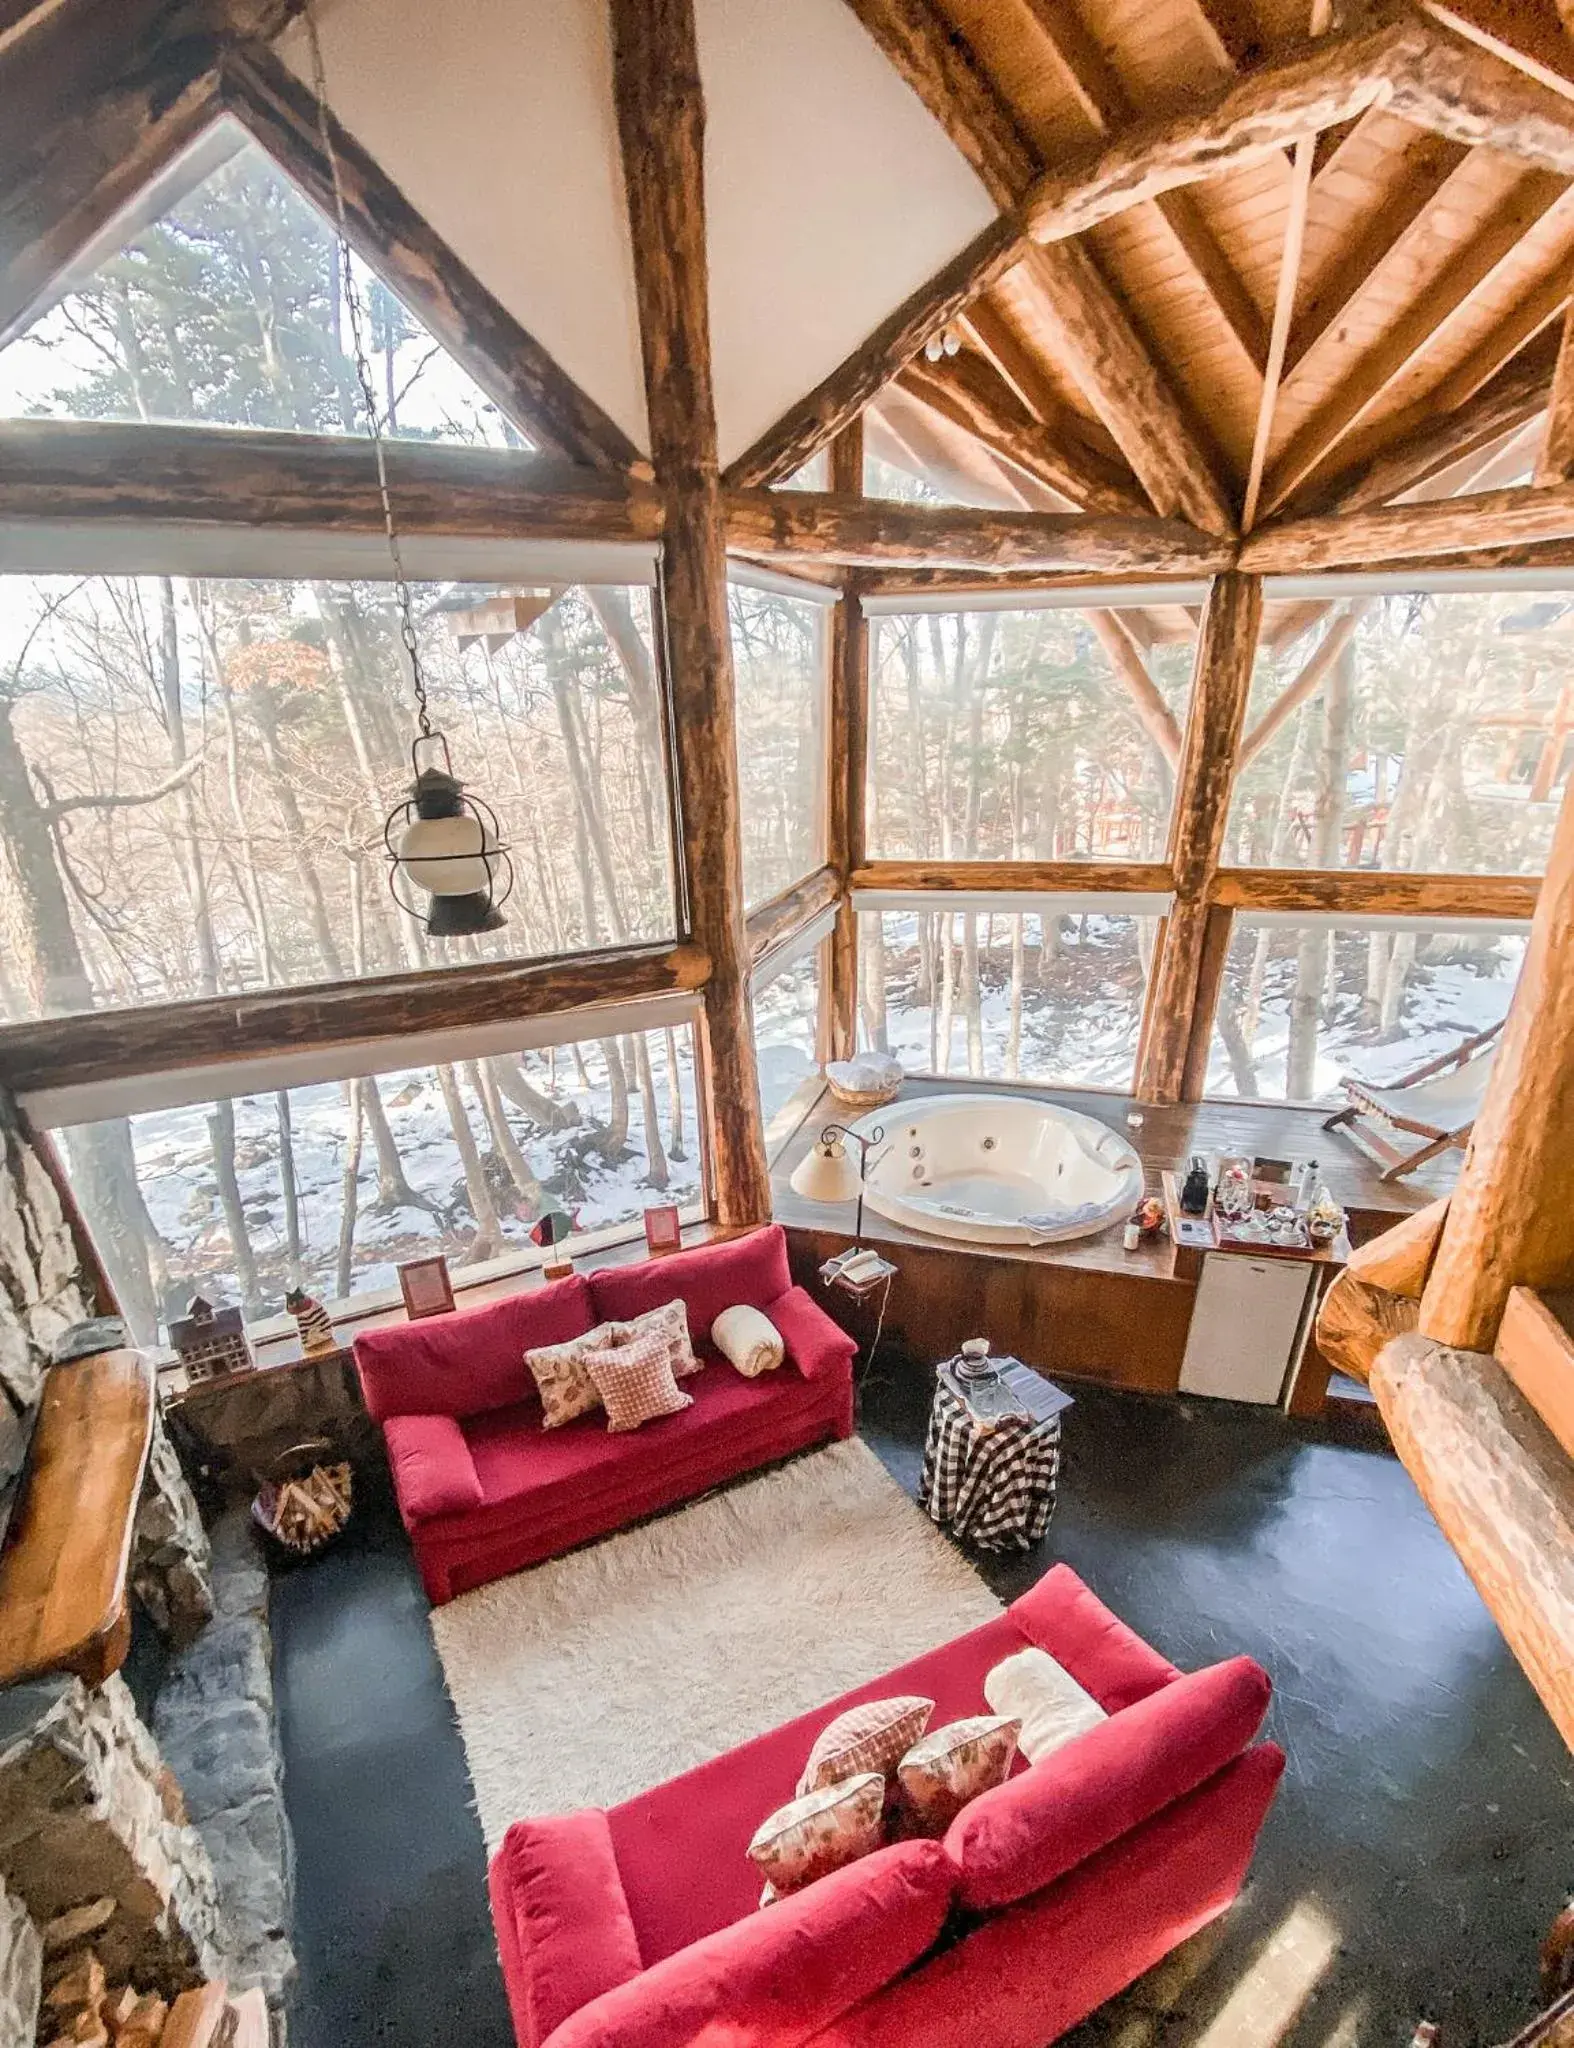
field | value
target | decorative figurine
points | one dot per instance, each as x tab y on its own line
1195	1188
549	1230
313	1322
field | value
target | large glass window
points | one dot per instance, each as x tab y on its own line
787	1025
1052	995
1031	735
1429	731
333	1184
780	653
194	776
1303	1003
231	309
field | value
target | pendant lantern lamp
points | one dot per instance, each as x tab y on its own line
446	845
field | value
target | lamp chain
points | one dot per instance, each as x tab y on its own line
363	370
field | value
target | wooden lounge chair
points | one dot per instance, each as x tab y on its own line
1438	1102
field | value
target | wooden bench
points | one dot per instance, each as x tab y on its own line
67	1554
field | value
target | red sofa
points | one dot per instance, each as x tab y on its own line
640	1927
484	1489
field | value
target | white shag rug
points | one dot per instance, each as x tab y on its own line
593	1677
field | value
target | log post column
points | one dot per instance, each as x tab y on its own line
1511	1218
846	760
1221	682
661	127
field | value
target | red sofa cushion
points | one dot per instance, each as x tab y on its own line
1024	1834
563	1923
472	1360
779	1974
433	1471
1105	1657
712	1277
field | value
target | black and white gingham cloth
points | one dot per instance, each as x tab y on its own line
992	1484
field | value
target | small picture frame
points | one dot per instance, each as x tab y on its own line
426	1287
662	1230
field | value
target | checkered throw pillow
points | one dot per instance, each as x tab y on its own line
872	1737
635	1382
670	1322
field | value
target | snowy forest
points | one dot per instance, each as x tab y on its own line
194	776
1436	733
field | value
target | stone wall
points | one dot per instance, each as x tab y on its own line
171	1564
88	1810
44	1289
214	1719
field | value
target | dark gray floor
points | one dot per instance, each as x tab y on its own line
1418	1850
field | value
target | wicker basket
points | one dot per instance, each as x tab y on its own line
863	1099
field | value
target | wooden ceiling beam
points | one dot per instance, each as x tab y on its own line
874	532
124	474
1537	196
1152	713
968	392
1516	517
1428	163
1514	32
97	102
387	232
1475	97
1096	338
1110	360
1410	449
1313	86
1106	107
1555	458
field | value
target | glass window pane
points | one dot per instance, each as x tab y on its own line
1006	996
786	1029
1033	735
194	776
231	309
457	1159
1302	1004
780	651
1439	737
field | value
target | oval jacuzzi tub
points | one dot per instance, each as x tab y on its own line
998	1169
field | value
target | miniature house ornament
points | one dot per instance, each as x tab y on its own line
210	1341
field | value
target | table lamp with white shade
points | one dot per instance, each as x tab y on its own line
827	1173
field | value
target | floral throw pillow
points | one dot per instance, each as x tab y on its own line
872	1737
812	1836
950	1766
635	1382
566	1388
670	1322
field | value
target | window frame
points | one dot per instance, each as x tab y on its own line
53	1110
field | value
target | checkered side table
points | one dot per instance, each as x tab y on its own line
989	1480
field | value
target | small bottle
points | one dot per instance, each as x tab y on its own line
1194	1189
1131	1236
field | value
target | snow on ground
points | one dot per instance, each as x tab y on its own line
174	1155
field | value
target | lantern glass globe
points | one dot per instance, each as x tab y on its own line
449	856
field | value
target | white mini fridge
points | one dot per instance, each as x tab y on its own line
1248	1327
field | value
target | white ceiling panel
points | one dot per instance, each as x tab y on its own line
494	118
831	195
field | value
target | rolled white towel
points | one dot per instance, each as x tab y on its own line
1053	1709
748	1340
